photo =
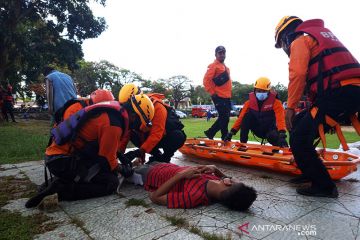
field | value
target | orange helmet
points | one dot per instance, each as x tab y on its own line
262	83
143	107
127	90
283	25
101	95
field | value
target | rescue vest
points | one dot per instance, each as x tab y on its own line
172	120
59	114
333	63
67	130
265	115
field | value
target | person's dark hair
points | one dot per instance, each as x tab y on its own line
47	70
238	197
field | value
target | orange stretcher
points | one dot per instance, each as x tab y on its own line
339	164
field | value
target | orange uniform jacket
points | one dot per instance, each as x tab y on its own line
215	69
104	129
157	131
302	50
279	115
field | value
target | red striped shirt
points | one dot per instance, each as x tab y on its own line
187	193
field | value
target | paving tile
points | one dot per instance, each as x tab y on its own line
331	225
347	204
288	191
65	232
7	166
276	209
104	204
225	215
180	234
12	172
125	223
250	228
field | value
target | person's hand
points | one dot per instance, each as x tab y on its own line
289	117
282	139
228	137
207	169
189	173
133	154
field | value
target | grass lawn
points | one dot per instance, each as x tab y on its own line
23	141
27	140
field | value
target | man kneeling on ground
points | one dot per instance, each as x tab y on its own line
188	187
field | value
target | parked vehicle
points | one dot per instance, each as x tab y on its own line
198	112
180	114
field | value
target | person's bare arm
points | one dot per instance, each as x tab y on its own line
160	195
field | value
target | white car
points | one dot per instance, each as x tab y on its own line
180	114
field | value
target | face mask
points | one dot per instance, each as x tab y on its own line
261	96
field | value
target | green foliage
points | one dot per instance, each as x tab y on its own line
240	92
199	96
37	33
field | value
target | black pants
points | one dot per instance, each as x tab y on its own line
223	106
340	103
81	179
268	132
170	143
8	108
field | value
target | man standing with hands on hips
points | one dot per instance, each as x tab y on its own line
218	84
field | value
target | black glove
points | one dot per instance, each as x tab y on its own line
126	170
282	139
133	154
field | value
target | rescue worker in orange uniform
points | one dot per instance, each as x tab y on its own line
165	133
218	84
263	114
320	65
86	166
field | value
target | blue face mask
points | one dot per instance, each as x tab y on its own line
261	96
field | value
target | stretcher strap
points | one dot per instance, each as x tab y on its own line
332	123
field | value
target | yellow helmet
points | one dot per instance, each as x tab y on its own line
127	90
282	25
143	107
263	83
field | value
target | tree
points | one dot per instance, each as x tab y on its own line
281	91
179	87
198	95
35	33
240	92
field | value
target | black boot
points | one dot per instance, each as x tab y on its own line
35	201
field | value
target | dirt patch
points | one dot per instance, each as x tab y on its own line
15	188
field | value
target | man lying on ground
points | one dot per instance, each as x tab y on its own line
188	187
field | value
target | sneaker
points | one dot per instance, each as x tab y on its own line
207	134
299	179
315	192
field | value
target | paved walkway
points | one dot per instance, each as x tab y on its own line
278	212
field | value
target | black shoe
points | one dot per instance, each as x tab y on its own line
207	134
299	179
314	192
35	201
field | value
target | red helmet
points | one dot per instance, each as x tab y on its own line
101	95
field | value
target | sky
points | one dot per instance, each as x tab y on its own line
164	38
